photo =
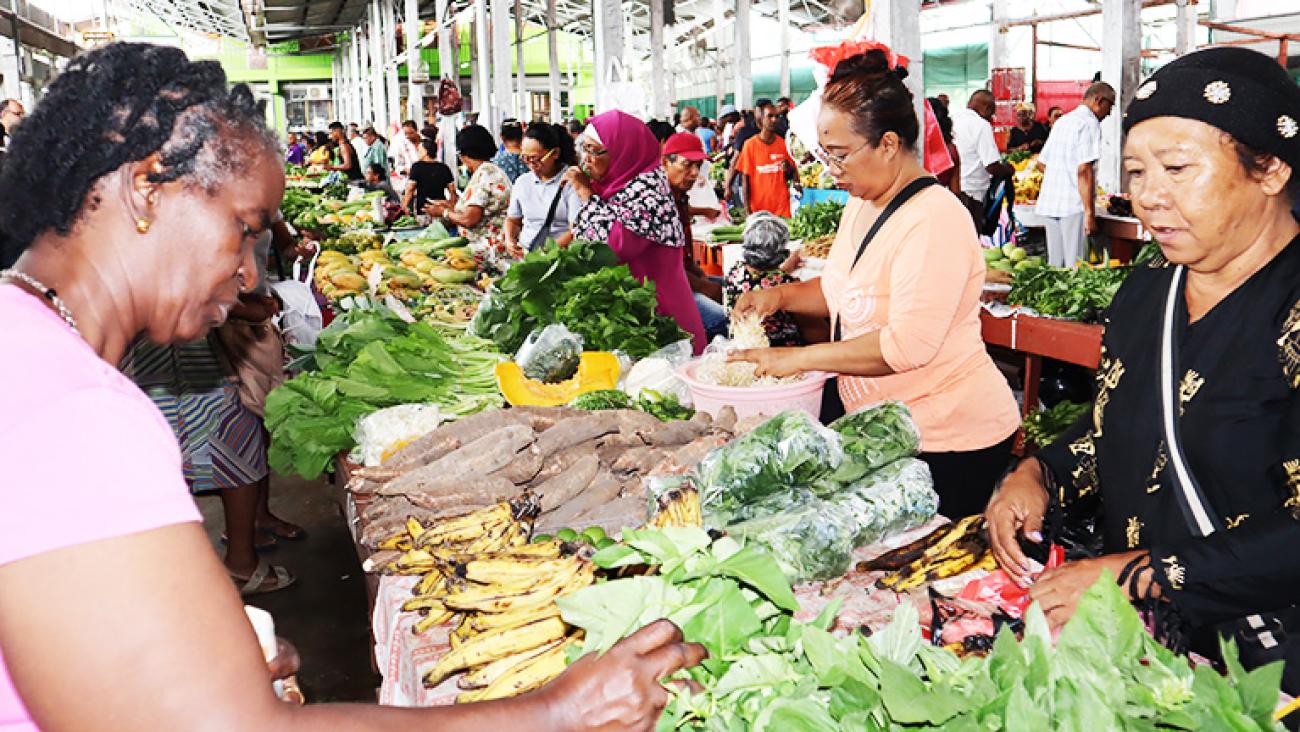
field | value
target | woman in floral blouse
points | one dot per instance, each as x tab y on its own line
480	212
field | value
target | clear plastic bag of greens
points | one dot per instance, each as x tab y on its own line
810	542
789	450
873	437
658	372
893	499
551	354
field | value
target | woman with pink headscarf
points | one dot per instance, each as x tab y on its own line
627	202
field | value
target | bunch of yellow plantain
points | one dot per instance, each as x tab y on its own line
510	638
434	551
679	507
961	548
480	566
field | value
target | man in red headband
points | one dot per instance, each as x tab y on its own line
683	160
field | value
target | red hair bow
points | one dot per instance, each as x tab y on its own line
831	56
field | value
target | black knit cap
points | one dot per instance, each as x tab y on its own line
1242	92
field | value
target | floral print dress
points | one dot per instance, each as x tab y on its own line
780	326
488	188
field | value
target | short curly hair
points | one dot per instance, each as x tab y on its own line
116	105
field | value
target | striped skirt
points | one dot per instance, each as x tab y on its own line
223	444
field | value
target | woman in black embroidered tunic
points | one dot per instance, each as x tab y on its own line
1204	532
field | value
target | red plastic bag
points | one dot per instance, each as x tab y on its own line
449	100
1000	590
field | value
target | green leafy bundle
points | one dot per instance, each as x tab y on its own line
1043	427
875	437
611	310
366	360
810	495
768	672
1074	294
816	220
527	296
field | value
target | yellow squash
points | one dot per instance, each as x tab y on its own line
596	371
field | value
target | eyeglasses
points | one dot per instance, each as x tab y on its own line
594	152
535	160
838	161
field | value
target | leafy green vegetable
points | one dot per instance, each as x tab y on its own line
1044	426
816	220
611	310
810	495
667	407
603	399
527	296
1075	294
874	437
768	671
365	360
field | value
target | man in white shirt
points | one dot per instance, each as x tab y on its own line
358	140
406	148
1068	197
980	158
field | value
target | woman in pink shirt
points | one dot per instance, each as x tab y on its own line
124	214
905	307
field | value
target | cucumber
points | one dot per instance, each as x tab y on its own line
448	243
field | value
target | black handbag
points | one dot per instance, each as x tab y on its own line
832	404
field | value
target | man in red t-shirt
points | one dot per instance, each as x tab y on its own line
766	164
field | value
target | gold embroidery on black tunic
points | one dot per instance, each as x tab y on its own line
1192	383
1235	521
1288	347
1175	572
1162	460
1108	378
1133	532
1292	468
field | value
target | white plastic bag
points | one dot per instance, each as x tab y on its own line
300	319
657	372
386	430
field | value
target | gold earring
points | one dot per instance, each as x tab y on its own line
142	225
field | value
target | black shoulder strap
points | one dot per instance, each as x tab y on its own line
901	198
545	231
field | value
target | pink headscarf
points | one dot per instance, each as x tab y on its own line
633	150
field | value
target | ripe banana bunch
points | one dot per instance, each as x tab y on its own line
518	674
460	258
679	507
961	549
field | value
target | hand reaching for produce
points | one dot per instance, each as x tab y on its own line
621	689
775	362
760	303
1058	591
1017	509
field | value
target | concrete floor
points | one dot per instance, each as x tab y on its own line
324	613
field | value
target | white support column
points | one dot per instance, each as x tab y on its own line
999	45
415	69
1121	47
502	103
898	25
360	82
783	18
553	54
720	67
521	73
608	26
448	67
482	62
659	102
392	78
1185	22
378	102
744	75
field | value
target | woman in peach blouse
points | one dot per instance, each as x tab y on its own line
907	306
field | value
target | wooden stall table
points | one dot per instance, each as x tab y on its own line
1038	338
1126	234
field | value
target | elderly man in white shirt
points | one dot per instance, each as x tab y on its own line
1067	200
980	158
